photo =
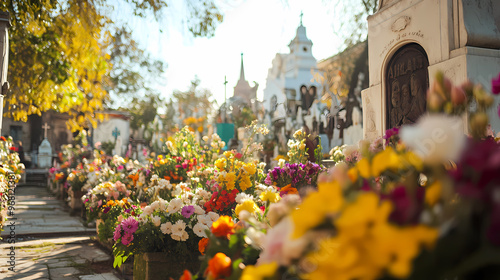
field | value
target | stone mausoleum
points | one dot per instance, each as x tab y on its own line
410	40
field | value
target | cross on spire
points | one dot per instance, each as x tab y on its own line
115	133
45	128
301	15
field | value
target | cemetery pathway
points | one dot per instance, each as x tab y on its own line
49	243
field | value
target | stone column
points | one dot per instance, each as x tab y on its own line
4	59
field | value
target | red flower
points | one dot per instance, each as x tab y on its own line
3	138
495	85
13	149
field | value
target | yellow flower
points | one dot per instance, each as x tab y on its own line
260	272
269	196
228	154
251	168
230	178
245	183
247	205
363	166
367	245
316	207
220	163
387	159
433	193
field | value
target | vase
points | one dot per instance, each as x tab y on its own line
149	266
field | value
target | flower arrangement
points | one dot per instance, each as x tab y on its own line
172	227
289	177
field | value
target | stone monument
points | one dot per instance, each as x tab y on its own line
410	40
45	150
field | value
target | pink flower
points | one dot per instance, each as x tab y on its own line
495	85
187	211
127	238
130	225
118	233
120	167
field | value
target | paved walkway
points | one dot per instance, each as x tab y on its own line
49	243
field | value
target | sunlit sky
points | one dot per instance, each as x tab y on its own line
257	28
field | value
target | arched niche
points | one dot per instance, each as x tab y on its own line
406	83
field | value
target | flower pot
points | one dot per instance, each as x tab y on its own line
163	266
75	202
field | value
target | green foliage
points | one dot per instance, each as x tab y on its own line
67	55
108	147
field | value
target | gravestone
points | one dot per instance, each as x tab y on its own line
410	40
354	133
45	150
325	144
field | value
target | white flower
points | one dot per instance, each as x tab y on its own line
162	204
245	215
166	228
435	138
169	144
162	184
155	205
254	238
205	138
174	206
195	179
154	177
213	216
198	210
181	236
156	220
199	230
177	191
147	210
178	231
242	197
184	144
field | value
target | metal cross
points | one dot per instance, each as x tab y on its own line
301	14
115	133
45	128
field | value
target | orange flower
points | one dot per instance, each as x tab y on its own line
186	275
167	178
288	189
202	245
218	267
223	227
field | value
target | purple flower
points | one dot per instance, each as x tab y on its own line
391	132
187	211
127	238
148	172
495	85
130	225
118	233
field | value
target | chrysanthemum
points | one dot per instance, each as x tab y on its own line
130	225
127	238
118	233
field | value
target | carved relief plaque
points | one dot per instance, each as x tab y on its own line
406	83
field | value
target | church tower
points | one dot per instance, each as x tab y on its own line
243	92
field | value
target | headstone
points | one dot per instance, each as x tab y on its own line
45	154
336	140
325	144
354	133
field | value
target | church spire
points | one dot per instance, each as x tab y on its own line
242	71
301	15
